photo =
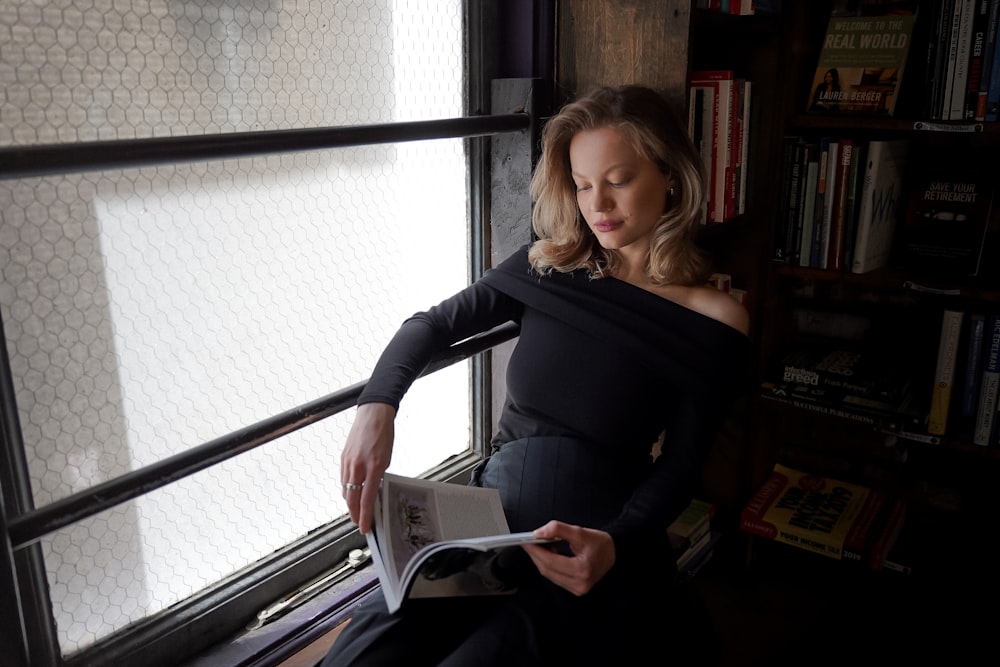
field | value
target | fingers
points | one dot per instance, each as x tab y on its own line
592	555
365	458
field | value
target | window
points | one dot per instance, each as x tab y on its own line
150	309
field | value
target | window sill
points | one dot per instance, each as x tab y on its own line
285	636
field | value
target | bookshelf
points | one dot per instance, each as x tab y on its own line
922	466
779	51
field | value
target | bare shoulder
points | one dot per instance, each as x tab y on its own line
710	302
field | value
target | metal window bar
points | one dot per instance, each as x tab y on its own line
24	161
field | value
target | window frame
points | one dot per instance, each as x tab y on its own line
500	127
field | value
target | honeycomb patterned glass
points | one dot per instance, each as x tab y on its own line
150	310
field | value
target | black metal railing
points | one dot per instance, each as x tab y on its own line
26	161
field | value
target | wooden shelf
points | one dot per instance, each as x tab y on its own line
892	279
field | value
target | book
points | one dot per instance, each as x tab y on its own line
937	57
944	373
722	83
785	237
858	162
694	549
804	510
989	387
992	24
701	120
946	219
993	86
438	539
972	373
841	366
904	418
977	46
832	172
875	530
862	60
745	129
691	524
690	562
880	204
951	59
963	48
735	150
808	196
796	193
819	205
838	207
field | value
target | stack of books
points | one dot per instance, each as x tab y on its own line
692	538
863	383
837	519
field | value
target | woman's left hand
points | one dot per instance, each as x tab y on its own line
593	554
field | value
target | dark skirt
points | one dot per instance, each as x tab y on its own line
619	621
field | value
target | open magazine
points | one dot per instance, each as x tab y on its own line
438	539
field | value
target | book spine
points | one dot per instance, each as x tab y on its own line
880	204
792	235
951	59
733	151
977	45
861	536
832	168
838	208
857	414
963	52
722	83
990	36
973	372
938	62
806	201
993	87
752	516
944	376
853	202
819	206
780	240
989	385
888	534
745	129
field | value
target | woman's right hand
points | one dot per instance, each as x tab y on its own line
365	458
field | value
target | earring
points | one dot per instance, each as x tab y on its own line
672	192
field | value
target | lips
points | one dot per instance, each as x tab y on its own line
607	225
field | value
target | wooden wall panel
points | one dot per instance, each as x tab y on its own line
617	42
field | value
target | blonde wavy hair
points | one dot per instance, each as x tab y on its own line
565	242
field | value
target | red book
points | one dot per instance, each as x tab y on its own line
838	211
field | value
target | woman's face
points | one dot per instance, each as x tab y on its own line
621	194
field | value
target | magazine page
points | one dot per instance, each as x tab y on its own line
415	513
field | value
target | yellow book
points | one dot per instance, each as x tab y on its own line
944	378
808	511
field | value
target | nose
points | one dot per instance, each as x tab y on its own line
601	200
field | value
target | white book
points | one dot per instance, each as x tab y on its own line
879	211
962	59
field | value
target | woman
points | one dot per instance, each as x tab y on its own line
826	96
621	342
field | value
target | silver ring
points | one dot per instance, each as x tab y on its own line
353	487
